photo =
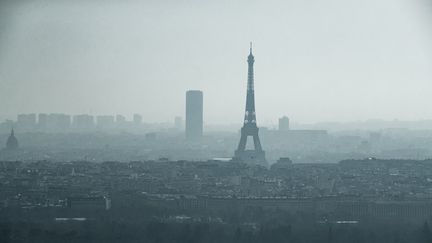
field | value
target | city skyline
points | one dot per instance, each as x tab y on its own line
155	121
120	67
274	124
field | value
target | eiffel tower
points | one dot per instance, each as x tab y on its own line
250	129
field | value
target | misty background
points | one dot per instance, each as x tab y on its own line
341	60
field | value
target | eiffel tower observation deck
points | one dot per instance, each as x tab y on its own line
250	128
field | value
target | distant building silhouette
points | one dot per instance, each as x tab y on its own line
194	114
58	122
178	123
282	163
137	119
43	121
26	122
12	141
250	129
284	124
105	122
120	119
151	136
83	122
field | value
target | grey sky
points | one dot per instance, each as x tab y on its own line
315	60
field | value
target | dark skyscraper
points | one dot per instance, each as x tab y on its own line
194	114
250	129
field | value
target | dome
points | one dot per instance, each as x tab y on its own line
12	141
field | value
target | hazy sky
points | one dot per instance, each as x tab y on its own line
315	60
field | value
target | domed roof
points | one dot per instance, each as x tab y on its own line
12	141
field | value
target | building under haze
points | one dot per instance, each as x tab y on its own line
105	122
57	122
12	141
178	123
26	122
83	122
120	119
284	124
42	121
137	119
194	114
